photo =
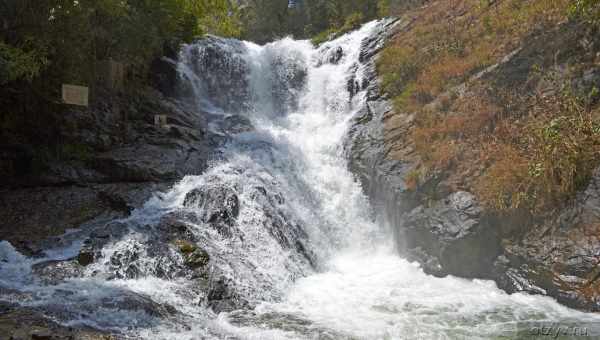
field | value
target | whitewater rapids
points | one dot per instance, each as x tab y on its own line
325	269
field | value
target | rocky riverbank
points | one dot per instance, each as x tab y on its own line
116	159
114	168
445	227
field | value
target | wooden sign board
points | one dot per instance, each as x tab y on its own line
75	95
160	121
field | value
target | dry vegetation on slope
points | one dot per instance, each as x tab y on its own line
525	136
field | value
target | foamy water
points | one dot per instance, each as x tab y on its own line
356	287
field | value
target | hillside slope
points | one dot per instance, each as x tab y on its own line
484	153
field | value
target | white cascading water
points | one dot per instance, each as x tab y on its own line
312	265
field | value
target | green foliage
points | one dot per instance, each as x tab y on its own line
265	20
72	35
217	17
399	69
16	63
387	8
383	8
352	22
588	10
324	36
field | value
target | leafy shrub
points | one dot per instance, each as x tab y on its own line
352	22
324	36
16	63
588	10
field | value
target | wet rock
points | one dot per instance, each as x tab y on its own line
289	74
164	75
453	231
116	203
54	272
43	214
111	230
137	302
430	264
176	226
561	256
41	334
217	204
31	215
185	247
237	124
23	323
221	64
98	238
194	257
336	55
197	259
372	45
152	162
85	257
222	297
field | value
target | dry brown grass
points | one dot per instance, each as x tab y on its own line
518	151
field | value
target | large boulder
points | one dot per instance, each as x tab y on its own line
164	75
24	323
54	272
43	214
222	297
560	257
452	230
217	204
222	69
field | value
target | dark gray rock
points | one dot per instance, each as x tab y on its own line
198	258
237	124
54	272
164	75
45	213
336	55
85	257
452	231
23	323
148	163
217	204
29	216
560	256
223	68
222	296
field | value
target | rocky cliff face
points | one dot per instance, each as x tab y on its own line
449	232
111	166
111	160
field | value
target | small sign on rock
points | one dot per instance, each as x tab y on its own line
75	95
160	121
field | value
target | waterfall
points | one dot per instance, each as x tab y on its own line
276	240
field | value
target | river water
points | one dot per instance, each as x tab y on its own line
303	255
